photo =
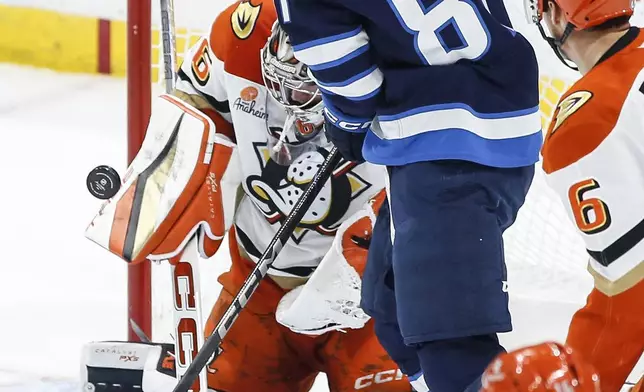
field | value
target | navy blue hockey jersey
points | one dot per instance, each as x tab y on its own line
428	79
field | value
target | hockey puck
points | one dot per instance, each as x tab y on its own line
103	182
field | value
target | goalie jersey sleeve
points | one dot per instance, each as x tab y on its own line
594	159
427	79
203	77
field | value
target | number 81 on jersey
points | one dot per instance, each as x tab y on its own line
427	24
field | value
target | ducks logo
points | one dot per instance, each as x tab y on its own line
278	188
244	18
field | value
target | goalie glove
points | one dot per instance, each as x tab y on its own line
183	182
330	298
123	366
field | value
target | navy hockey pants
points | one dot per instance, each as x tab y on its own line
436	288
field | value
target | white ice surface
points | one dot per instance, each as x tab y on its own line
59	290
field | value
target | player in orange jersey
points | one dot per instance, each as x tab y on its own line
593	156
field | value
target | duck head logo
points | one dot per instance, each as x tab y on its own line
244	18
278	188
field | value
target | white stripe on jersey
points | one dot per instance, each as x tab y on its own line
458	116
331	49
361	86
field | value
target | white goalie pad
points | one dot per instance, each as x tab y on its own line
183	181
145	367
330	299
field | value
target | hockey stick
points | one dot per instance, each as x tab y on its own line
186	291
210	349
168	38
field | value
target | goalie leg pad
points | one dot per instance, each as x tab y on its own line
355	360
128	367
260	355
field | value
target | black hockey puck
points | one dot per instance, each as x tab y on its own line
103	182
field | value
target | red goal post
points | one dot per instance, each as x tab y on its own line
139	96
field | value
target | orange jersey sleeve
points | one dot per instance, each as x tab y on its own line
232	48
239	33
589	111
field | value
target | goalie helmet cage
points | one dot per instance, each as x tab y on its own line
546	258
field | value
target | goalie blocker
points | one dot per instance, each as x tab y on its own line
183	182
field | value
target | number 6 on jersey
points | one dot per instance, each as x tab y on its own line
591	215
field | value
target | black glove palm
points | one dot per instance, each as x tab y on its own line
348	143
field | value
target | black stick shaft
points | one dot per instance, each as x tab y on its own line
210	347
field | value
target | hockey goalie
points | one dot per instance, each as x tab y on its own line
230	152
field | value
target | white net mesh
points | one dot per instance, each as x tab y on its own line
546	258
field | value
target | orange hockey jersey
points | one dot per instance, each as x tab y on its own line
593	156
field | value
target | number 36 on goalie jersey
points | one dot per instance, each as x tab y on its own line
594	158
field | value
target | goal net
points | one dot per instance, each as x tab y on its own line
546	258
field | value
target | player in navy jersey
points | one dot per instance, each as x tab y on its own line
444	93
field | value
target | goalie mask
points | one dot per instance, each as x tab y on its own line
291	85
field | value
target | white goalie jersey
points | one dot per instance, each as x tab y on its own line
222	75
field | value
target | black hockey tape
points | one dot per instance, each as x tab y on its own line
103	182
